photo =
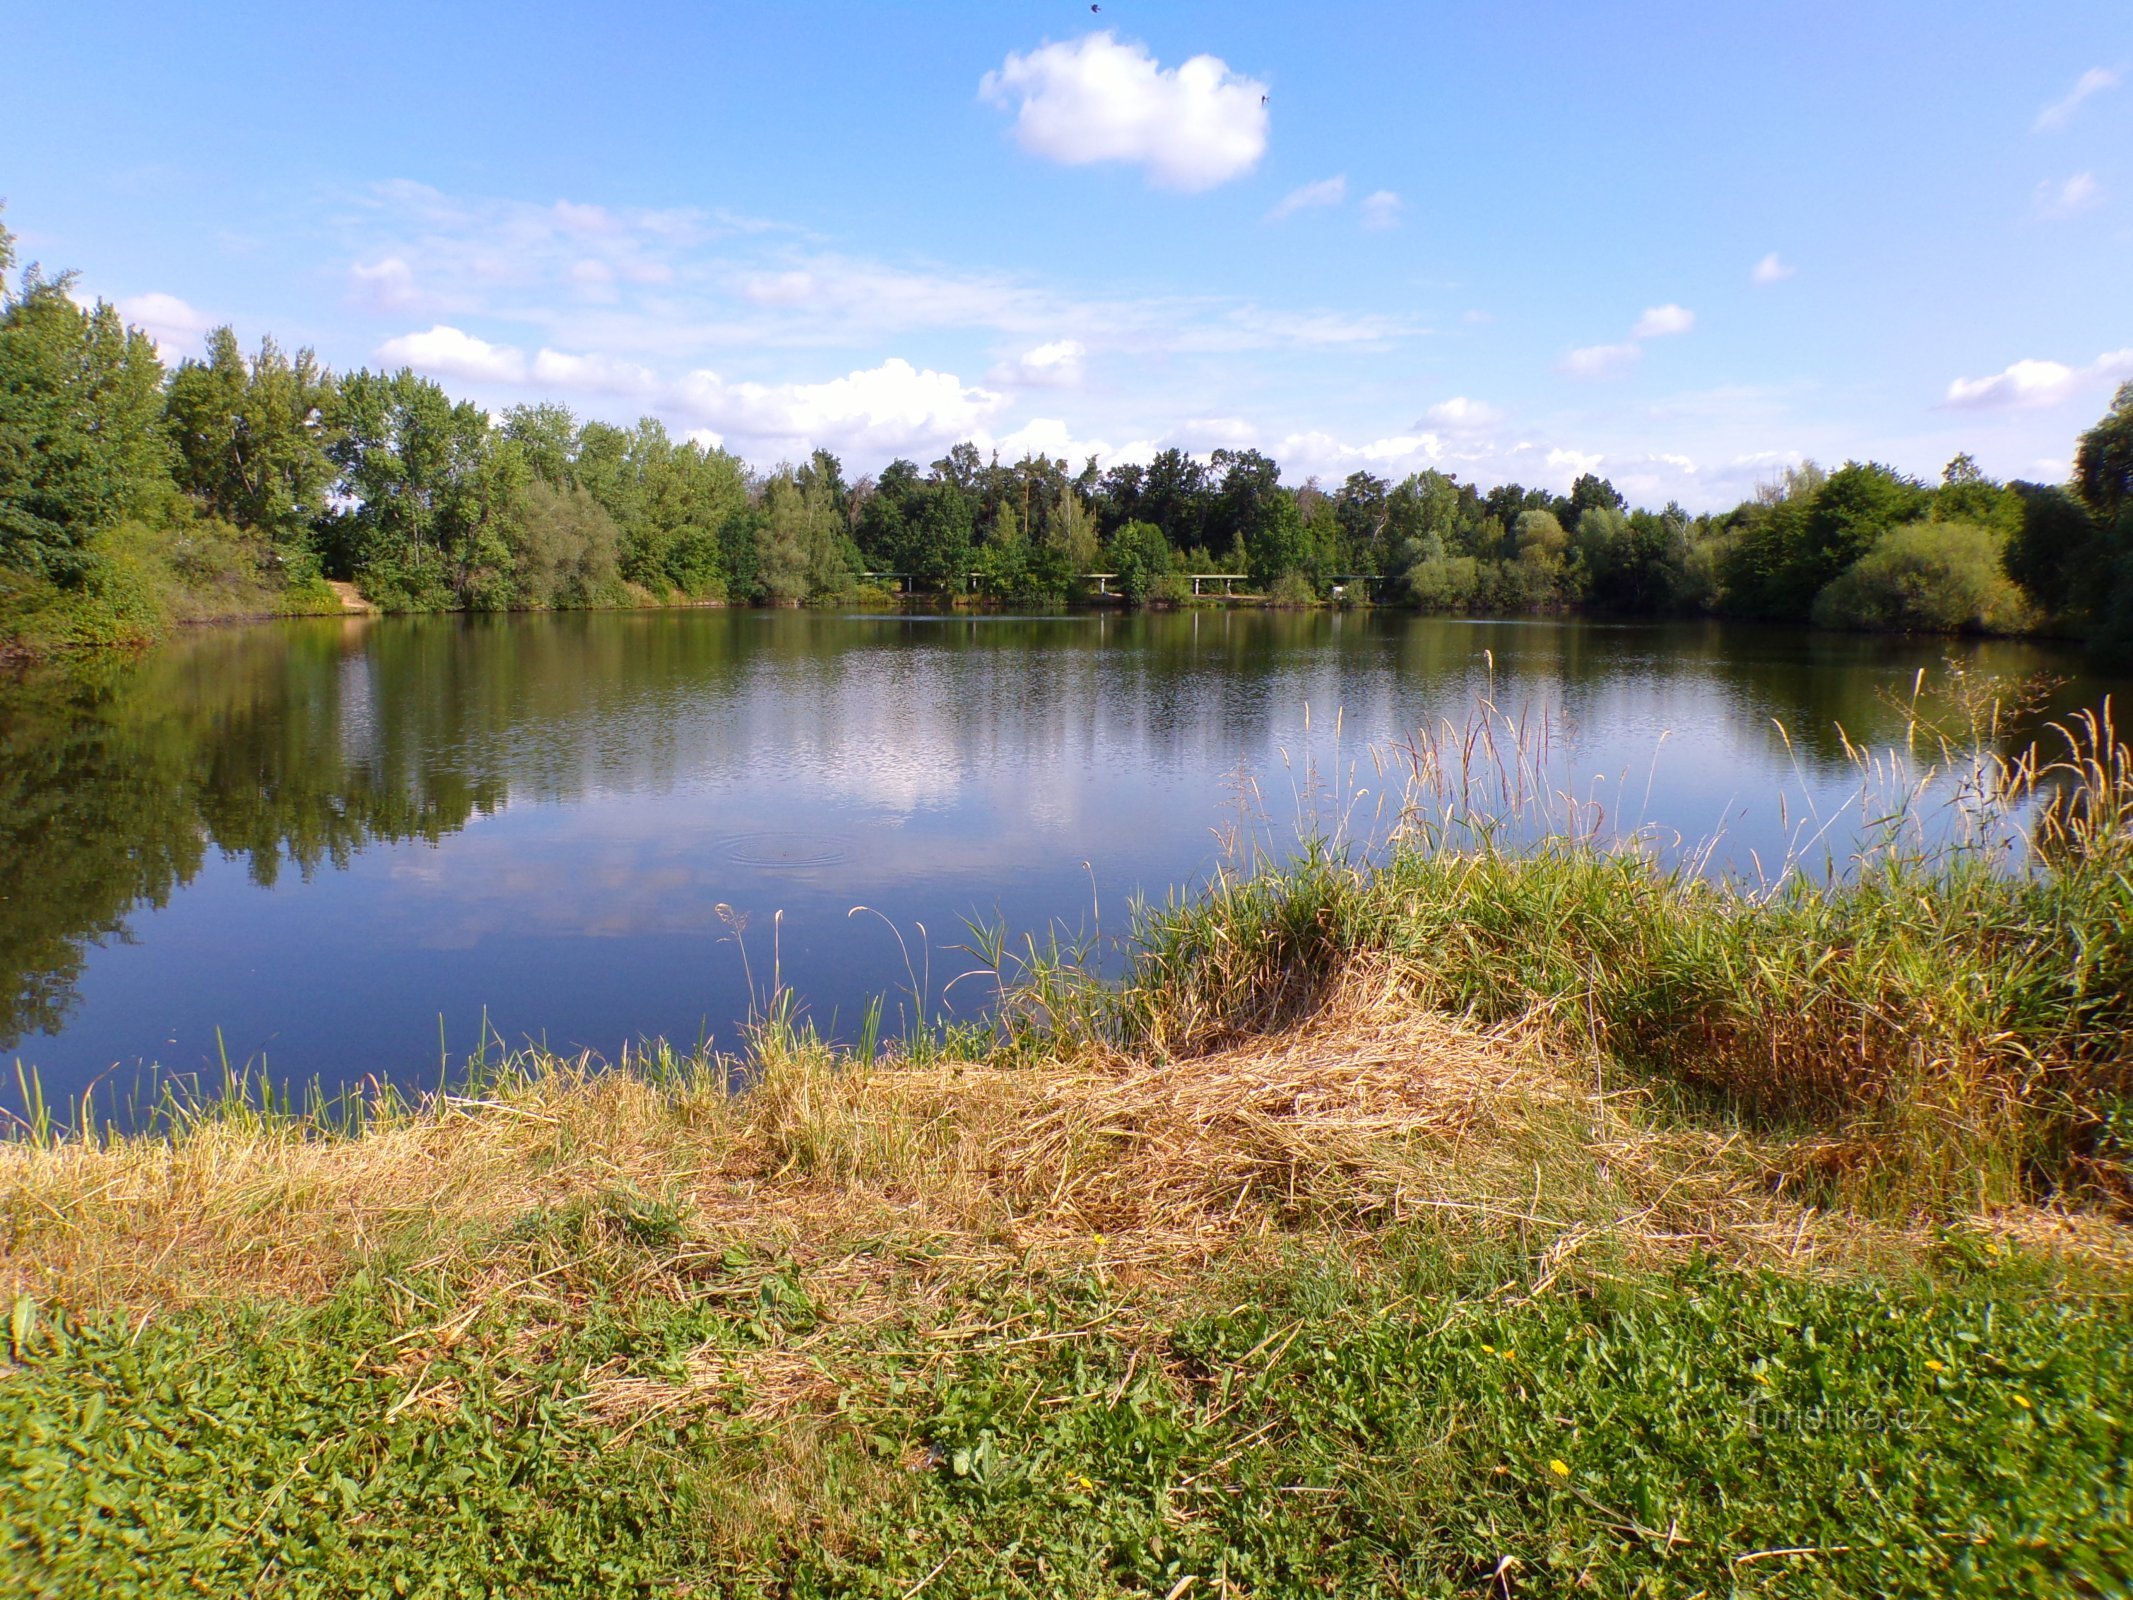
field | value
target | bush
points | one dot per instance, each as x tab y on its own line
1292	589
1926	577
568	550
1171	589
1444	583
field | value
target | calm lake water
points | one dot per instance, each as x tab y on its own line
338	847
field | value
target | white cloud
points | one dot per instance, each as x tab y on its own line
2070	198
1381	210
2094	81
1659	321
2025	383
594	373
1604	360
1598	360
1573	464
387	285
1325	192
1095	99
1051	438
445	351
1772	270
679	288
175	326
1460	412
2032	383
878	411
1220	433
1057	365
1322	455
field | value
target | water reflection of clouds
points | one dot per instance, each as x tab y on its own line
631	773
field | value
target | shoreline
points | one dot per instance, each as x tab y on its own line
1619	1219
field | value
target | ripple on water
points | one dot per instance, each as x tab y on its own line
778	848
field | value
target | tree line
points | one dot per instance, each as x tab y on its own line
130	493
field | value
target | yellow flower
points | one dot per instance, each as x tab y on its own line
1510	1355
1560	1469
1760	1377
1934	1366
2024	1404
1490	1348
1085	1483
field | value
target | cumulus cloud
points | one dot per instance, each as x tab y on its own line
1659	321
597	374
1599	360
1054	440
880	410
1325	192
1460	412
2031	383
1323	455
176	327
445	351
1094	99
1057	365
1381	210
2092	82
2070	197
1771	269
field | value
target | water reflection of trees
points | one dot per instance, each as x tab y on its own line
117	777
298	746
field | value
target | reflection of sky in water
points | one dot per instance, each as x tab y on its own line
931	770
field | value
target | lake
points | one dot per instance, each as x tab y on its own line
348	847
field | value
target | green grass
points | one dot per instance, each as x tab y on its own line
1951	1021
1303	1430
856	1332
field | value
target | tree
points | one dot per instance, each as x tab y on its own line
1590	492
2058	555
1142	557
567	547
249	438
1249	481
1925	577
1360	509
1967	495
429	494
1174	496
82	446
547	436
1275	542
2103	461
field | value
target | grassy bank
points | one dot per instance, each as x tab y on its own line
1462	1220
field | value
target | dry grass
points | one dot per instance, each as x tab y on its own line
1368	1110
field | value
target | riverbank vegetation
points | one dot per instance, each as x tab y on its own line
1486	1208
132	496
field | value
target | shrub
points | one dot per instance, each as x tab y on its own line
1292	589
568	550
1925	577
1444	583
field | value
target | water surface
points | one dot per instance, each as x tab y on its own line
345	847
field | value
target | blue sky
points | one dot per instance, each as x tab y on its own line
1679	244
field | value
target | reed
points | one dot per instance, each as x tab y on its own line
1944	1018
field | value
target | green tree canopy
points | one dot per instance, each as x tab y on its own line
82	445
